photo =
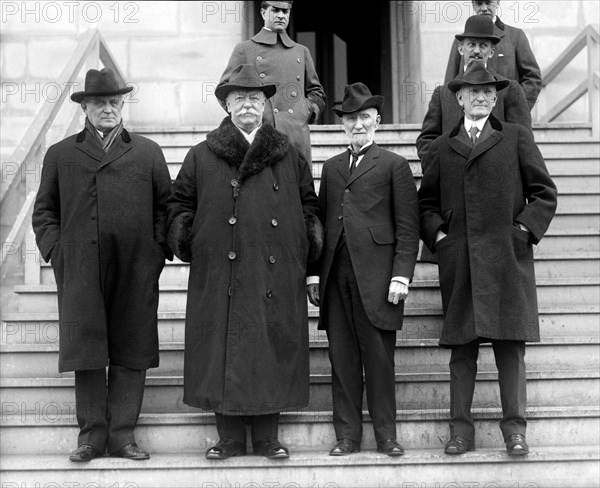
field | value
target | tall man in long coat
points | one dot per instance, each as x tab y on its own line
514	58
242	209
100	219
485	199
300	98
370	211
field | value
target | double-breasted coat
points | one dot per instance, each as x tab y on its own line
288	65
478	195
246	328
100	219
513	59
378	211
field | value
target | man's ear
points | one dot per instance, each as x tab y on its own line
459	98
491	53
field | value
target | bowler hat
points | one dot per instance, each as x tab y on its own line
244	77
357	96
479	26
285	5
101	83
476	74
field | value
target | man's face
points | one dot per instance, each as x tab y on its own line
276	19
475	48
486	7
246	108
103	112
477	100
360	126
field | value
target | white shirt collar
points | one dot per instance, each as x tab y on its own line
478	123
361	156
250	136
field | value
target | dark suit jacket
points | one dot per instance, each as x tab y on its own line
444	112
512	59
377	209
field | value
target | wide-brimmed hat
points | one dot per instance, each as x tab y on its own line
476	74
244	77
479	26
357	96
286	5
101	83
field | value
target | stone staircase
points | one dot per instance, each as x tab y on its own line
38	426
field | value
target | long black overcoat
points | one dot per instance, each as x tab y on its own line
478	195
246	328
100	218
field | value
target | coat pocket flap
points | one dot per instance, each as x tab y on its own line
382	234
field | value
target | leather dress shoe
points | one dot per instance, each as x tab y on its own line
516	445
84	453
343	447
271	448
459	445
226	448
390	447
131	451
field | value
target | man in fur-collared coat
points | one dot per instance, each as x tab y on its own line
239	211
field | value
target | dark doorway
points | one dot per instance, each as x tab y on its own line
347	44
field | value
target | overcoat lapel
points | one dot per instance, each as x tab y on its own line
88	146
118	148
367	163
494	138
342	165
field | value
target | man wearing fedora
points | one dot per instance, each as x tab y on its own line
100	219
513	58
244	212
476	43
485	199
300	98
369	208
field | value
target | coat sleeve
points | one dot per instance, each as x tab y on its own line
432	126
314	91
516	109
429	200
530	76
161	187
46	210
310	208
406	219
453	68
538	188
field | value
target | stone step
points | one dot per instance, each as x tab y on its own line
411	356
423	294
164	394
544	467
46	433
582	322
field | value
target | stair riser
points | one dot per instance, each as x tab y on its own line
53	404
420	434
174	301
408	359
415	327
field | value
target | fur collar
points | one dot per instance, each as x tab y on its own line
229	144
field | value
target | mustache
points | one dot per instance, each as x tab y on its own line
246	112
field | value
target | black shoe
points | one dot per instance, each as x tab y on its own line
516	445
343	447
390	447
226	448
458	445
131	451
271	448
84	453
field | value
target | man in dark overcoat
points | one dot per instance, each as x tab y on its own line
485	199
100	219
513	57
244	211
369	208
300	98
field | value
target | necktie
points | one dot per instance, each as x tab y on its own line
356	155
473	132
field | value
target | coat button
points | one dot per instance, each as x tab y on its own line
235	183
232	255
275	110
340	217
272	259
232	220
346	190
290	111
299	60
93	217
274	222
262	75
294	94
269	293
298	77
94	193
275	186
259	58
